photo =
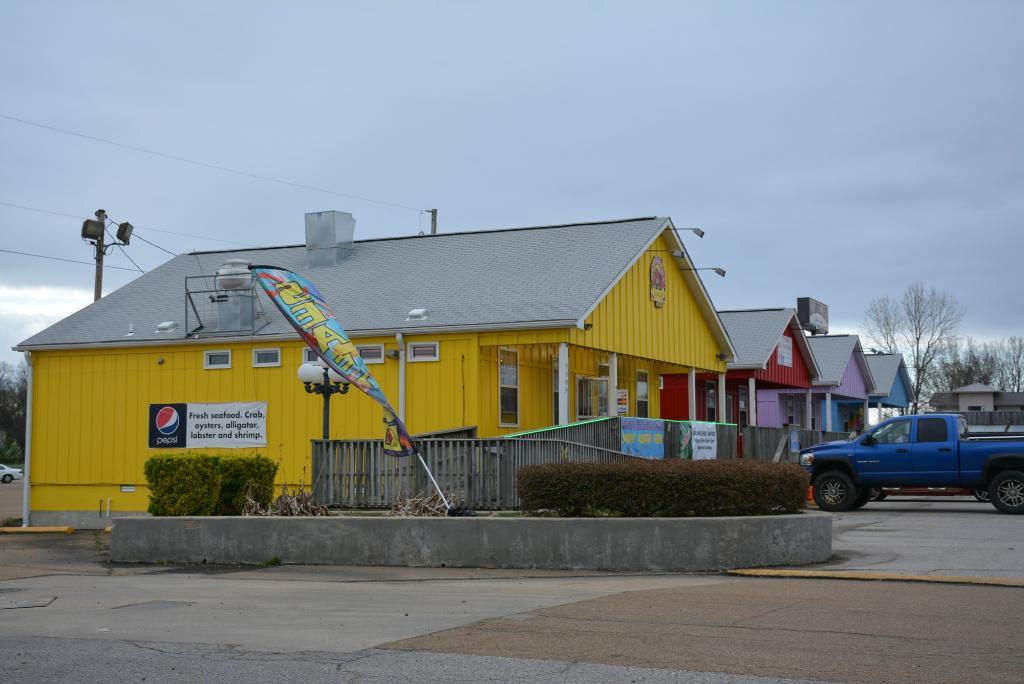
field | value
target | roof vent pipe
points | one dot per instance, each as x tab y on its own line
328	237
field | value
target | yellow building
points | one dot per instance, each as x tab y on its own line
501	331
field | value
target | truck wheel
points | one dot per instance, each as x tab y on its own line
834	491
863	496
981	494
878	494
1007	491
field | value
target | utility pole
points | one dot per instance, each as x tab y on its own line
94	231
101	216
433	221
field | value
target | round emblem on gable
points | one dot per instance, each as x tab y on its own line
658	287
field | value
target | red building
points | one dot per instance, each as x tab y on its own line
761	386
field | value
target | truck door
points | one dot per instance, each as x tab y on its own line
885	458
935	452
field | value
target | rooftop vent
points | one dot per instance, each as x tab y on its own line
328	237
417	315
233	275
166	327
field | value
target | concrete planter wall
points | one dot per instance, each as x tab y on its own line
625	544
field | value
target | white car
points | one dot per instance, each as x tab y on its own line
9	474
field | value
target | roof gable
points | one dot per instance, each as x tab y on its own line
833	354
755	334
975	387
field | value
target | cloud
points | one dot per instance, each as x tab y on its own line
25	310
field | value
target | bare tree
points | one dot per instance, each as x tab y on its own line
1011	364
973	363
923	325
884	323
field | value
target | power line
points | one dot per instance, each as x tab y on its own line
70	261
154	230
155	245
207	165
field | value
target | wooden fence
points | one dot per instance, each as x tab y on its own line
1014	419
762	443
479	473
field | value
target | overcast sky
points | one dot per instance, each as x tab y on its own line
836	150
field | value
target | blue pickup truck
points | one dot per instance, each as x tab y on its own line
930	450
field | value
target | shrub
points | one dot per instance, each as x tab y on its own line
183	485
200	484
241	475
663	488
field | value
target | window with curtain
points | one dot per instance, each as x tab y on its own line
508	387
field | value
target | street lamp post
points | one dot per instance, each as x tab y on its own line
325	382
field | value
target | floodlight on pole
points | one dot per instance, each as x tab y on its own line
696	231
94	232
124	233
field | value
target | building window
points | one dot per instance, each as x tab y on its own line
554	390
371	353
214	360
508	387
743	410
423	351
642	394
975	408
309	356
785	354
793	406
266	358
711	410
591	397
729	409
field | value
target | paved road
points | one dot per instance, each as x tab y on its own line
68	615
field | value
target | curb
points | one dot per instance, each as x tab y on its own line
36	530
882	577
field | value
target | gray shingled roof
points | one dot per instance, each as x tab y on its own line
884	368
975	387
754	333
832	352
544	276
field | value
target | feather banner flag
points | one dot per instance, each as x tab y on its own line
304	307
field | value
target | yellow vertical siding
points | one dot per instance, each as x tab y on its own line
91	409
536	392
627	321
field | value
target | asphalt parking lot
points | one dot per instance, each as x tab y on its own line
69	615
929	536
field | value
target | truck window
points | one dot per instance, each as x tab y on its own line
896	432
932	430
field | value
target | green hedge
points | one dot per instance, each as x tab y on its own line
241	475
663	488
200	484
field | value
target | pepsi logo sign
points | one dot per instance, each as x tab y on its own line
167	420
167	426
